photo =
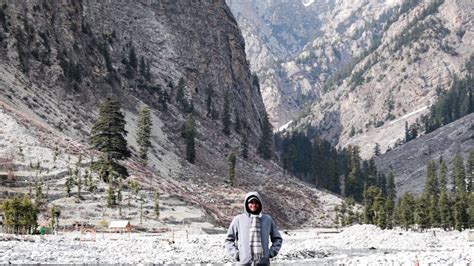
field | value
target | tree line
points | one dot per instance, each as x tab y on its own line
452	104
446	202
341	171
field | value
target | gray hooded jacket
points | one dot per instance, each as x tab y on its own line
237	242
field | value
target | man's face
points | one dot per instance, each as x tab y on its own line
253	205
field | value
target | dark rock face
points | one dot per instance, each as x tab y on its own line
82	51
409	160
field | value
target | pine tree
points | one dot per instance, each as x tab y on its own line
431	180
377	149
238	123
111	190
334	184
78	181
470	172
444	211
443	174
148	72
380	214
371	173
91	184
422	216
38	182
391	191
133	188
108	136
144	125
266	141
431	194
69	181
470	210
460	214
459	176
354	182
226	115
434	211
407	132
405	208
389	209
20	215
245	147
382	182
189	135
370	195
143	67
55	213
132	58
232	160
156	206
461	218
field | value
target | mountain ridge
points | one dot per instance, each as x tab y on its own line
61	59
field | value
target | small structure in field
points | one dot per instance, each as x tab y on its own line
470	236
120	227
88	234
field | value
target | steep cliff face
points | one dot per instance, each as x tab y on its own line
371	66
82	50
59	59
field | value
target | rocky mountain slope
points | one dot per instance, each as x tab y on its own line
408	162
59	60
364	68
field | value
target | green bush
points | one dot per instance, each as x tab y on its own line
21	215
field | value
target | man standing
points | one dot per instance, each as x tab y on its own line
248	234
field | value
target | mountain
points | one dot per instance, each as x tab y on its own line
59	60
409	161
355	72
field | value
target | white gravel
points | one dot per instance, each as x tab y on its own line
356	245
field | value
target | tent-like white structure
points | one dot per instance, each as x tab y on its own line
120	226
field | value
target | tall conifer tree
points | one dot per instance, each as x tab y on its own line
431	180
461	218
459	175
470	172
444	210
266	141
406	214
422	215
189	134
108	136
443	177
232	160
226	115
144	133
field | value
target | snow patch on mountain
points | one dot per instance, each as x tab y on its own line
307	2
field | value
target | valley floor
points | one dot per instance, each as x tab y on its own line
355	245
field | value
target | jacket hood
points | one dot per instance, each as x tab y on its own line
252	194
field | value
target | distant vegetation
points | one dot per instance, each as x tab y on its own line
344	172
21	215
454	103
317	161
447	202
